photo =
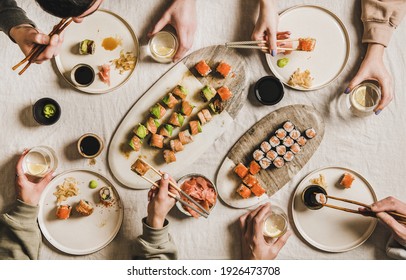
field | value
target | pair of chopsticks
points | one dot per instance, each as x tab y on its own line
38	49
203	212
261	45
400	218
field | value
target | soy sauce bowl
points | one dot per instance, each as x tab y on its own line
38	111
269	90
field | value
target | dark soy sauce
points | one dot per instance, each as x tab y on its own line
84	75
269	90
309	196
90	146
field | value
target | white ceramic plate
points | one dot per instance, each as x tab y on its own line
332	49
80	235
100	25
329	229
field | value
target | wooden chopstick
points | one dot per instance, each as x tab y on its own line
259	42
38	49
247	47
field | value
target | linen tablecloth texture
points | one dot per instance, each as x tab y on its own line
373	146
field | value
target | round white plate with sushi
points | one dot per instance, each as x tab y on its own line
330	53
329	229
79	234
97	27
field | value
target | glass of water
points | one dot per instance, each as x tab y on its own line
39	161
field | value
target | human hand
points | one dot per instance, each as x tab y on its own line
160	203
27	191
373	68
26	36
254	245
182	16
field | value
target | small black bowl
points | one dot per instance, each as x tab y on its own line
39	116
269	90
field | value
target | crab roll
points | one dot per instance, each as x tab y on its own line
185	137
207	115
271	155
244	191
223	69
310	133
201	117
295	134
203	68
106	196
84	207
288	142
156	141
289	156
140	167
166	130
195	127
241	170
254	167
152	125
250	180
180	91
176	119
301	141
176	145
169	156
265	146
170	101
258	155
288	126
295	148
274	141
281	150
265	163
157	110
217	106
281	133
224	93
141	131
279	162
135	143
257	189
63	212
207	93
186	108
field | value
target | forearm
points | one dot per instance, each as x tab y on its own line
11	15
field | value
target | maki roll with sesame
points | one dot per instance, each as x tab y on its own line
295	134
281	150
310	133
265	163
279	162
281	133
288	142
258	155
274	141
289	156
288	126
265	146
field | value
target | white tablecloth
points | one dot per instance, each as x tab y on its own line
373	146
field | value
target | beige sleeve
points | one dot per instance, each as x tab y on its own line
380	18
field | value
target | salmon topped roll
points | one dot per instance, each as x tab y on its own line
203	68
250	180
158	111
176	145
63	212
223	69
169	156
156	141
254	167
195	127
346	180
176	119
257	189
244	191
224	93
180	91
152	125
186	108
166	130
185	137
141	131
170	101
140	167
135	143
306	44
241	170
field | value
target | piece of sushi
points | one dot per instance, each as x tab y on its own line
176	145
135	143
141	131
254	167
279	162
271	155
87	47
140	167
265	163
265	146
106	196
274	141
216	105
223	68
281	133
203	68
157	110
166	130
257	189
156	141
258	155
244	191
288	142
241	170
170	101
346	180
63	212
224	93
250	180
310	133
186	108
207	93
295	148
169	156
289	156
176	119
301	141
180	91
288	126
306	44
281	150
295	134
84	207
152	125
185	137
207	115
195	127
201	117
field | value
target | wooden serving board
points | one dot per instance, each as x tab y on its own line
272	179
120	156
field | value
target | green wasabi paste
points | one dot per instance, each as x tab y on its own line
49	110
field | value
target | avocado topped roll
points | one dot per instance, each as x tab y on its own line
87	47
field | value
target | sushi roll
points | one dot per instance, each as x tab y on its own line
271	155
203	68
310	133
140	167
301	141
257	189
306	44
207	115
224	93
265	146
250	180
195	127
244	191
295	148
207	93
288	142
157	110
152	125
176	145
258	155
295	134
185	137
141	131
346	180
156	141
217	106
106	196
223	69
84	207
254	167
63	212
87	47
281	150
176	119
241	170
186	108
166	130
281	133
135	143
201	117
170	101
279	162
265	163
274	141
289	156
169	156
180	91
288	126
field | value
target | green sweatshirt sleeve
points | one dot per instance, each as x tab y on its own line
11	15
20	236
155	243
